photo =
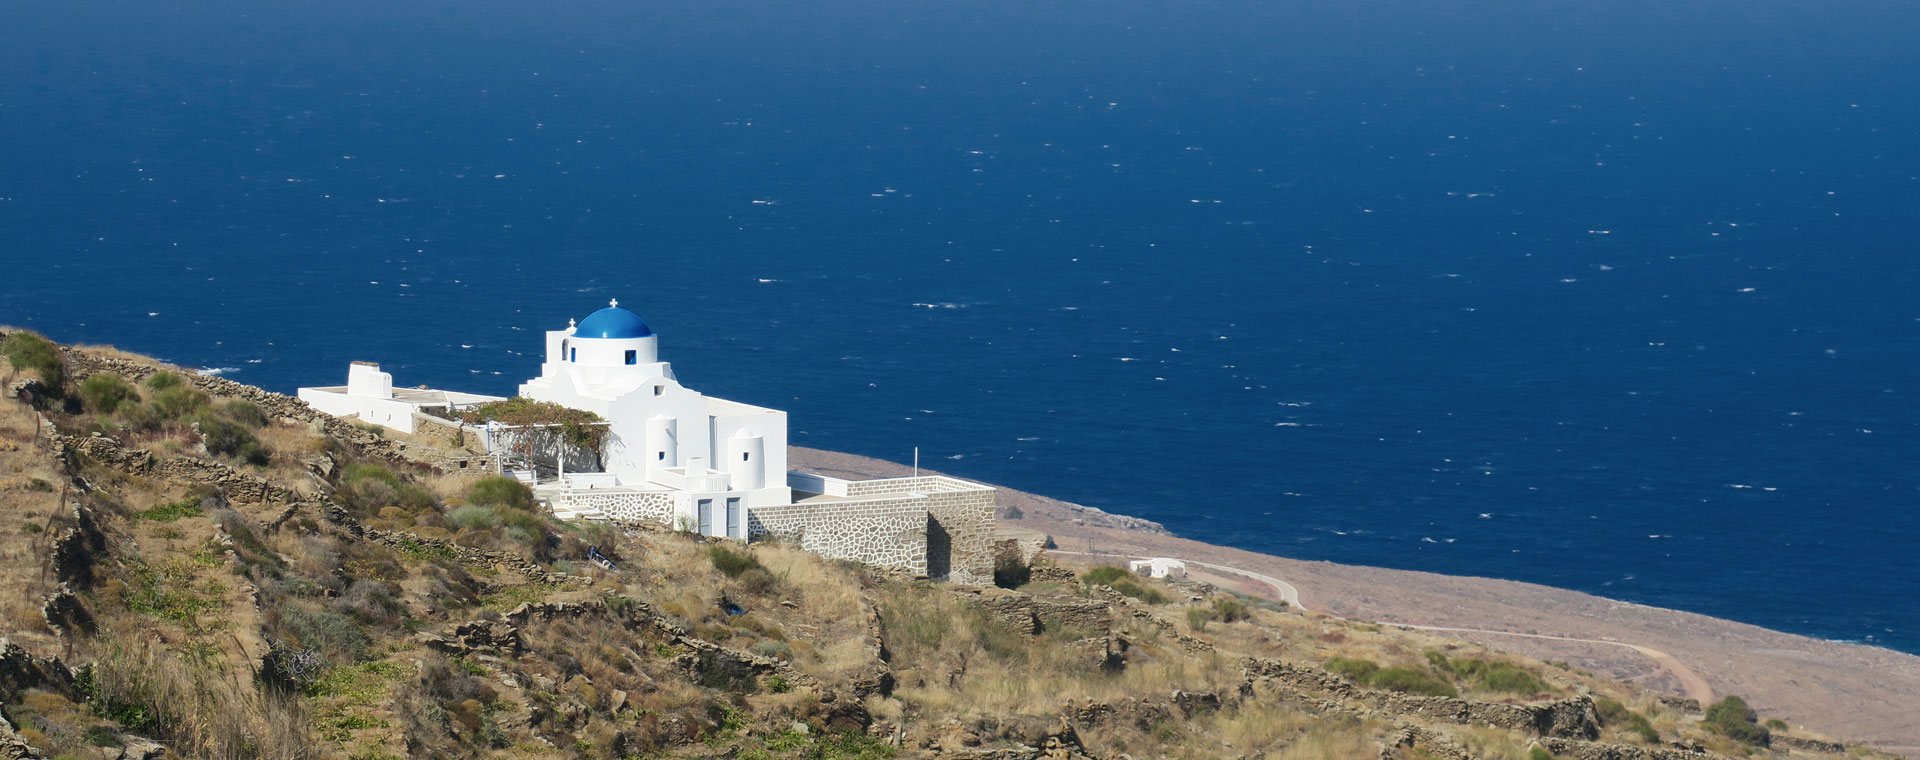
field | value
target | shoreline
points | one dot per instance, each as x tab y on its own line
1857	693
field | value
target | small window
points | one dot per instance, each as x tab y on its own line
662	456
574	357
659	389
744	456
633	357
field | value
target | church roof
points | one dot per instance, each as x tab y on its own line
612	322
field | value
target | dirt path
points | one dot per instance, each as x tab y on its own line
1691	682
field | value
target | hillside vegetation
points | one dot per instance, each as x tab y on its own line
203	569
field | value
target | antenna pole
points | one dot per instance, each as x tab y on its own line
916	462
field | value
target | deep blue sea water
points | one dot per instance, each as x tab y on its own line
1619	297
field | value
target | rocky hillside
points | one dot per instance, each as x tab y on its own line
204	569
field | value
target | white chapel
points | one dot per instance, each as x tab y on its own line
662	432
674	456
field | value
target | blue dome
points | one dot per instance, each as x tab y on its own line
612	322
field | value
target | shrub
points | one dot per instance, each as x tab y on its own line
1539	753
188	507
1144	593
245	412
1105	575
474	517
161	381
1352	669
103	393
1503	677
1398	678
1228	610
1734	719
1776	724
366	488
502	492
177	402
26	351
1198	617
732	563
1412	681
328	633
1612	713
1124	581
227	438
758	581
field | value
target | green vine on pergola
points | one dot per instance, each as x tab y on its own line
539	419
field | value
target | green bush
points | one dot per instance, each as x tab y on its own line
1353	669
1398	678
1412	681
1503	677
732	563
188	507
1198	617
26	351
244	412
1734	719
104	392
1612	713
329	633
1539	753
1139	591
1105	575
1228	610
474	517
1124	581
367	488
501	492
177	403
160	381
373	472
230	439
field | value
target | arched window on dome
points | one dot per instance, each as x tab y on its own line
633	357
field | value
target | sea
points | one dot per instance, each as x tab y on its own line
1619	297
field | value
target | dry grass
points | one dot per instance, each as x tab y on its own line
204	711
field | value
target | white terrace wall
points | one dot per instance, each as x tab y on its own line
884	532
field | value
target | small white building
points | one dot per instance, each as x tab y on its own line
369	396
1159	567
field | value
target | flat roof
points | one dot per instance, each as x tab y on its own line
419	396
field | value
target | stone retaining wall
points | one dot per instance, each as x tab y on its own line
628	506
960	536
889	533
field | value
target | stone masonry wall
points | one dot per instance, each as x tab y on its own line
651	507
960	529
890	533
